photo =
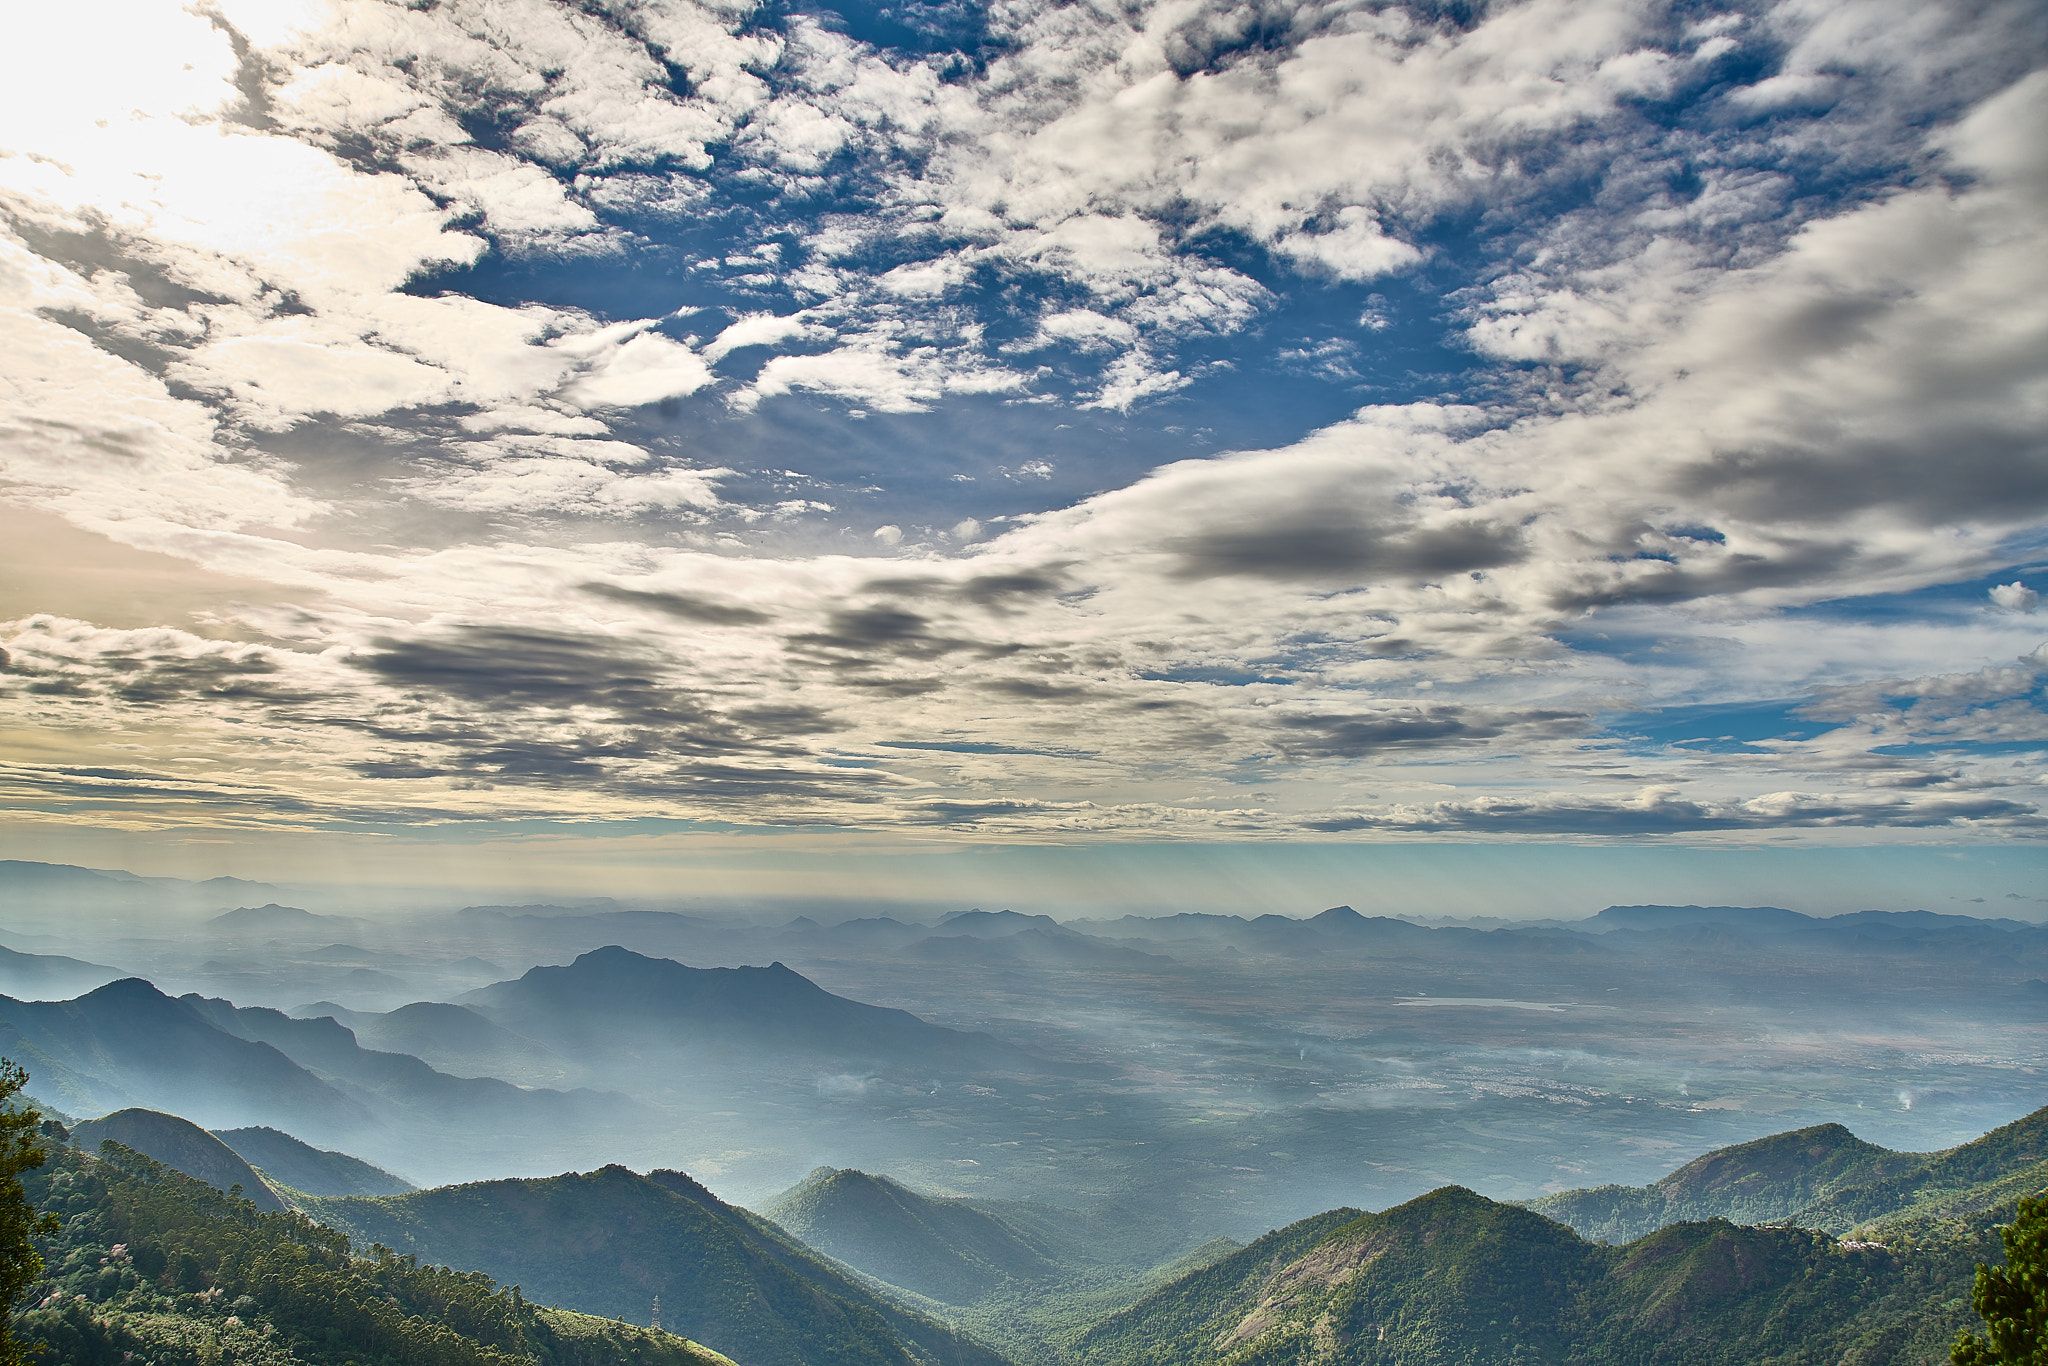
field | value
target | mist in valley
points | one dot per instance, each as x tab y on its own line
1204	1075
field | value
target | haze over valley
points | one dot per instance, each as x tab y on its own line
1022	682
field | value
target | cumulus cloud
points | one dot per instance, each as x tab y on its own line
267	313
2015	597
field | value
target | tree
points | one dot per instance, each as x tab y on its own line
20	1267
2012	1299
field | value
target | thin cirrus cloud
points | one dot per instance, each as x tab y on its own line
682	410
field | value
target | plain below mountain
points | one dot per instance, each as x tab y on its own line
181	1144
301	1166
944	1249
607	1242
1037	946
613	1003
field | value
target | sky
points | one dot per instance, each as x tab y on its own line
798	445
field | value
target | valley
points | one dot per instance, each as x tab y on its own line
1004	1134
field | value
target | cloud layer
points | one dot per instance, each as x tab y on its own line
684	411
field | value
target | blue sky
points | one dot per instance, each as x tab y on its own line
1174	425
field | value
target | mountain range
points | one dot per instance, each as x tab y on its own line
609	1241
620	1006
1450	1277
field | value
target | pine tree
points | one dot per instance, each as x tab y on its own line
20	1266
2012	1299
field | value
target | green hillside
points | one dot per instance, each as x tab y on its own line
945	1249
153	1265
181	1144
1026	1276
1750	1183
1454	1279
1983	1174
607	1242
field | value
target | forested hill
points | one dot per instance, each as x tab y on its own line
1455	1279
152	1265
609	1241
1822	1177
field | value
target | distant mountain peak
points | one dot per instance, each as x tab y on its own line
613	993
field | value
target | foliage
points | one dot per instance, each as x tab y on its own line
1454	1279
2013	1299
20	1265
609	1241
149	1265
1759	1182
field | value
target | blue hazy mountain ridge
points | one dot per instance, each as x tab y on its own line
612	995
283	922
178	1142
402	1086
1767	918
127	1044
51	896
50	977
301	1166
451	1038
608	1241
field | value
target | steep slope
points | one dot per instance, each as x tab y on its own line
1979	1175
1750	1183
1822	1177
181	1144
944	1249
151	1265
1448	1277
302	1166
128	1044
1453	1279
606	1242
612	998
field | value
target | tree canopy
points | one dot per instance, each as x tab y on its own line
2013	1299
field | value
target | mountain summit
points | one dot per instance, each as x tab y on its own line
613	994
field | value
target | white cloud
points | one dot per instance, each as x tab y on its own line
2015	597
760	329
887	382
646	369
